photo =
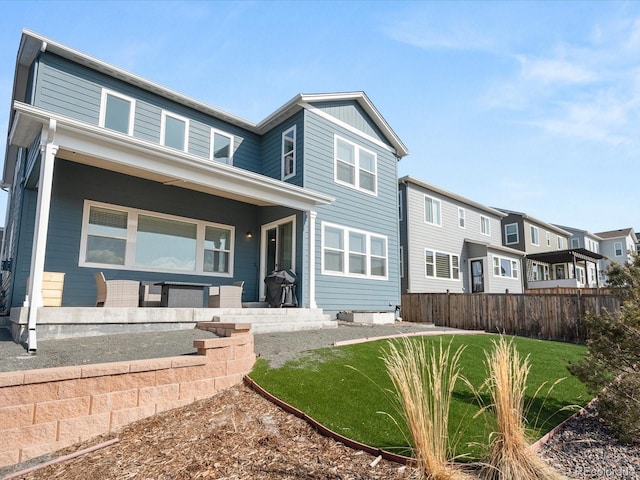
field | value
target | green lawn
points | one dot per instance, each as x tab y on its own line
348	390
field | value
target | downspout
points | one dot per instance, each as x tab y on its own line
48	152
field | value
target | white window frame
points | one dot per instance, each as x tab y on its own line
506	234
357	150
484	220
163	122
401	261
103	109
616	248
215	131
130	247
548	237
452	268
497	267
461	217
345	242
560	243
434	202
283	163
400	205
535	235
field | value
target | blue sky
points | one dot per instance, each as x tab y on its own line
530	106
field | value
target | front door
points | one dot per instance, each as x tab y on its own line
278	248
477	276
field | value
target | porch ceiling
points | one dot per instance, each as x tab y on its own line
91	145
566	256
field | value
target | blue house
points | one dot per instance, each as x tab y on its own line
110	172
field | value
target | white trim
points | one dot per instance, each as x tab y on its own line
284	176
212	145
401	261
346	126
511	261
345	264
615	249
435	269
356	151
533	228
485	220
462	215
130	246
263	247
400	205
163	121
548	238
312	214
424	210
103	109
506	235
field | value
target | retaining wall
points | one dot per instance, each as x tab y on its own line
44	410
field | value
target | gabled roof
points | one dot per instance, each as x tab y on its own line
623	232
535	220
453	196
578	230
32	43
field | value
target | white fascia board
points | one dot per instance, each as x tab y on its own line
115	147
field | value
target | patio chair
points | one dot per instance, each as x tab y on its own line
116	293
226	296
150	295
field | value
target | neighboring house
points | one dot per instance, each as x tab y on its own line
112	172
638	243
617	246
450	243
550	262
589	241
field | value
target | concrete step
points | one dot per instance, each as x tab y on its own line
287	319
291	327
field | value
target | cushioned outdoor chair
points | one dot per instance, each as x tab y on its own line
116	293
226	296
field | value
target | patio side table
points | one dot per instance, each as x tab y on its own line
184	294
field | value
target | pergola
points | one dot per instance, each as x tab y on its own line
572	256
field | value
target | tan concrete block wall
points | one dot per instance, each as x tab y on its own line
42	411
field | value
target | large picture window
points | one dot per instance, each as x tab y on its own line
355	166
505	267
118	237
116	112
353	253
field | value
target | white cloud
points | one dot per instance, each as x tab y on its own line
549	71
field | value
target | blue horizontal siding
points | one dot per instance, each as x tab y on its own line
351	113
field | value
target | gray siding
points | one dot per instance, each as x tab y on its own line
351	113
355	209
73	183
75	91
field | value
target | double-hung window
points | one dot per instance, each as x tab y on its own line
548	237
485	225
535	235
355	166
131	239
353	253
461	217
505	267
174	131
432	210
116	112
560	243
511	233
575	243
441	265
221	147
289	153
617	247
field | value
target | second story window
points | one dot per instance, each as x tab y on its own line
289	153
535	235
575	243
116	112
548	237
174	131
461	215
355	166
221	147
617	247
432	211
511	233
485	225
560	243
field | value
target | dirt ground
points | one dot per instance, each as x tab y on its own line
234	435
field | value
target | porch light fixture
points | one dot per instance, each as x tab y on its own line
249	235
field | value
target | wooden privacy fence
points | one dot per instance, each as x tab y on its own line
544	316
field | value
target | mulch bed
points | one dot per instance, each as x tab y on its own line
234	435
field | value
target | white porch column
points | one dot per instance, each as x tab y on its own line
311	223
43	206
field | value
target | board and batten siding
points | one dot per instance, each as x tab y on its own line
75	91
352	208
73	183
